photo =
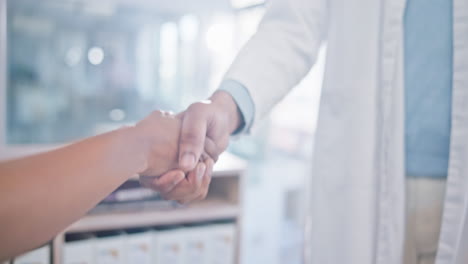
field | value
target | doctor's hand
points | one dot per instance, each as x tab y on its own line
206	128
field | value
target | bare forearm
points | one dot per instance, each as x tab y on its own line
42	194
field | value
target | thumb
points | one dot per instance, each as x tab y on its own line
192	140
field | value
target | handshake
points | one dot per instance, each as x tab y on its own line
180	150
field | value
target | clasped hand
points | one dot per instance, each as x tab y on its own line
183	152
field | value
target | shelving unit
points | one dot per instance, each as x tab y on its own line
201	212
223	202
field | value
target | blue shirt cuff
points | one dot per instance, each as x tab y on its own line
244	102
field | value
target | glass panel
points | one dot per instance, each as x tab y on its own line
78	68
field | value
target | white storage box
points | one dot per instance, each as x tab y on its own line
37	256
222	244
139	247
109	250
169	247
196	245
80	251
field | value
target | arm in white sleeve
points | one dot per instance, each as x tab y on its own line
244	102
281	53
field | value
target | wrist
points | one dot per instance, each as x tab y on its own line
157	140
227	105
136	147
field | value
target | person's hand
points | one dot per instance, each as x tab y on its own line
176	185
159	135
206	127
214	119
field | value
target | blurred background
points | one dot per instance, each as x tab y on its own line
77	68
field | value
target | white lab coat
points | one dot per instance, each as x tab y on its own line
357	203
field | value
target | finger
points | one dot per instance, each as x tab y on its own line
206	179
190	187
164	184
192	138
196	179
169	181
202	191
211	149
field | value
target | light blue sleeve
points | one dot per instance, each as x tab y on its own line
244	102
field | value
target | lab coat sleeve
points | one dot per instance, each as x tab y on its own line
282	51
244	102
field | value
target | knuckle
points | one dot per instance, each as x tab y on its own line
193	109
155	113
198	106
